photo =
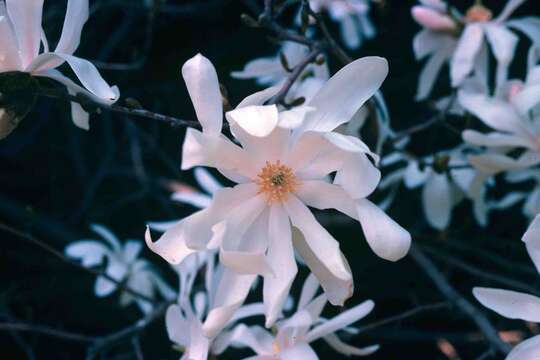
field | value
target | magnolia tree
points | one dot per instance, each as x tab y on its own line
308	173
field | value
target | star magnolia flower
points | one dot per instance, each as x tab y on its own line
183	320
459	39
280	172
22	36
515	119
295	334
517	305
122	265
352	17
441	191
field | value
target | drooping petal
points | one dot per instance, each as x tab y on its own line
323	195
386	238
232	290
203	87
431	69
85	71
257	121
468	46
344	93
321	253
76	17
503	43
437	202
171	246
341	321
281	258
510	304
25	15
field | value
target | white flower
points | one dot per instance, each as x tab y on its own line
515	118
22	37
352	17
184	319
460	39
296	333
280	172
441	190
122	264
516	305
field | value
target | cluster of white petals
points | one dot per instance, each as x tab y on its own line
122	263
282	167
463	40
24	47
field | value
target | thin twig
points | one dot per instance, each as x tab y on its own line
405	315
45	330
465	306
67	260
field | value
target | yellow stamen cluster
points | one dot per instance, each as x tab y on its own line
478	13
276	181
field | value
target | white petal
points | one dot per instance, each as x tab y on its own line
203	87
281	258
509	8
309	289
107	235
76	16
358	176
115	270
322	195
25	15
437	201
260	97
257	121
491	163
231	293
201	149
431	69
386	238
9	61
433	19
503	44
532	235
90	252
267	69
132	248
468	46
345	92
299	351
176	325
321	252
425	43
527	98
534	254
85	71
493	139
192	198
199	344
510	304
350	33
206	180
341	321
495	113
171	245
526	350
413	176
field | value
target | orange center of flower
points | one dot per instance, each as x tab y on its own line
478	13
276	181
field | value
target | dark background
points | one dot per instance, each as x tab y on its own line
56	179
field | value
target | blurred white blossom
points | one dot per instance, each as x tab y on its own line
122	263
352	17
24	47
517	305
